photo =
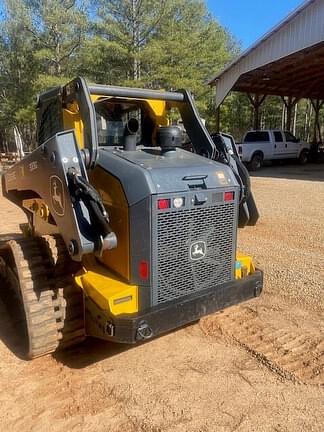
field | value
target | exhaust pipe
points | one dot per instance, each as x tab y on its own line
130	132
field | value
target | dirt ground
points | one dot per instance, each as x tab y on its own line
255	367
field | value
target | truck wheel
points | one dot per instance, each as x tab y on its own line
50	306
303	157
256	162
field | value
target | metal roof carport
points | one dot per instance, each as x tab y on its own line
287	61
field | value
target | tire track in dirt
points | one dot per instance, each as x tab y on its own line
292	354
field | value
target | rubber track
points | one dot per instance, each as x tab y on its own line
291	353
46	291
71	322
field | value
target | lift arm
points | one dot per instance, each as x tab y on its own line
55	173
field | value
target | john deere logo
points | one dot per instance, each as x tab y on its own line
198	250
57	195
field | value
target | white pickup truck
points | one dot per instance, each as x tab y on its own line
267	145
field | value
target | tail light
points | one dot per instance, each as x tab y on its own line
143	270
229	196
163	204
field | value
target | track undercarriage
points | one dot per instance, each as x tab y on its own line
38	272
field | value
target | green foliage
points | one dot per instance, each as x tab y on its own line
58	28
18	67
187	50
236	115
127	27
169	44
39	40
166	44
160	44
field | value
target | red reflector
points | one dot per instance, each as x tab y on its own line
228	196
163	204
143	270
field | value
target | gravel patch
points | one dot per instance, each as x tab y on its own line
288	241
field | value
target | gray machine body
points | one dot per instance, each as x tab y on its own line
166	238
187	249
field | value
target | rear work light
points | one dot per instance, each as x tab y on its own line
163	204
229	196
178	202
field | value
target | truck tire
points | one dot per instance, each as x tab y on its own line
51	307
256	162
303	157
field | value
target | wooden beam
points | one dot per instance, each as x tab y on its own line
256	101
317	105
289	103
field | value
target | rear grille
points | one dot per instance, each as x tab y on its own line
177	274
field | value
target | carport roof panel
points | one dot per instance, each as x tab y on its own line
300	74
286	61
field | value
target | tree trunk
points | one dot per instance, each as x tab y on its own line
295	119
135	42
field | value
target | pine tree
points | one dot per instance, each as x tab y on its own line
19	71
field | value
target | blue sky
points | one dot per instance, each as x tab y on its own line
248	20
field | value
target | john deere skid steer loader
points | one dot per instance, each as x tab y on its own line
128	235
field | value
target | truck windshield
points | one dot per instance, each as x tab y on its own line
257	136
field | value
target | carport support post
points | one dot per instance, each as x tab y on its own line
256	101
289	103
217	116
317	105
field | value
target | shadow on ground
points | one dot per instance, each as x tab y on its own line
12	326
91	351
311	172
12	330
94	350
13	335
